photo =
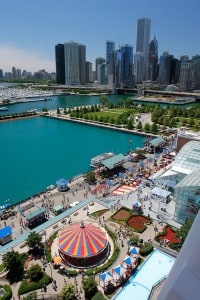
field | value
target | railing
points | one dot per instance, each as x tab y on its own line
156	285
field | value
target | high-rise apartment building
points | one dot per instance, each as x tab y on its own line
75	63
142	43
89	75
99	61
185	77
60	63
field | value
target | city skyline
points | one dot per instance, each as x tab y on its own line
31	29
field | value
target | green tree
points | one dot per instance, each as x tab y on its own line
68	292
90	177
183	231
139	125
103	100
13	263
34	242
154	128
90	287
147	127
35	273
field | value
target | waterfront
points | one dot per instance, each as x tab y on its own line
37	152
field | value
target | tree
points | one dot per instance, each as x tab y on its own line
139	126
68	292
154	128
34	242
90	177
183	231
103	100
147	127
35	273
90	287
13	262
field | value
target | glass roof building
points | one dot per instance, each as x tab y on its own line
184	176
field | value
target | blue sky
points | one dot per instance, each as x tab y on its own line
30	29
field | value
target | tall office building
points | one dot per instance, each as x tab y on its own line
185	77
165	67
110	48
75	63
153	60
142	43
138	67
60	63
127	66
195	72
1	73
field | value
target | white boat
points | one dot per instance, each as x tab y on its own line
96	161
3	108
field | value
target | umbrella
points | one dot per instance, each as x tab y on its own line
57	260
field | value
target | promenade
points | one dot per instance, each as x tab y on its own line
83	194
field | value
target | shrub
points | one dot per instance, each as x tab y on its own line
146	249
8	293
26	286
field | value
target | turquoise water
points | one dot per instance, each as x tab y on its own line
37	152
69	101
154	268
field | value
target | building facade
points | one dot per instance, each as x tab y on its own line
75	63
142	43
153	60
60	64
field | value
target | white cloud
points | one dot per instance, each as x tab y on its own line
12	56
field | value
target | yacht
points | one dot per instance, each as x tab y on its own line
3	108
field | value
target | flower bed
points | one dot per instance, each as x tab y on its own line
169	235
138	223
122	215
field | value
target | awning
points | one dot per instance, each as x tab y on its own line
4	232
105	277
134	251
118	271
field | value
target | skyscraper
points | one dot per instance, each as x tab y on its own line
110	48
142	44
127	65
153	60
75	63
165	67
60	64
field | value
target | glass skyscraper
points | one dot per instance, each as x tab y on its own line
60	64
142	44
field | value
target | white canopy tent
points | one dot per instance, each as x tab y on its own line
161	193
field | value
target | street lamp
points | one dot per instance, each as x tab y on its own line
50	270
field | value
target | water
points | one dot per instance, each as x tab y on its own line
71	101
58	101
154	268
37	152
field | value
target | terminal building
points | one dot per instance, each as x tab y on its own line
183	179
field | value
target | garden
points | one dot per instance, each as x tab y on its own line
126	217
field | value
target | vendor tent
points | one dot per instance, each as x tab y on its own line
105	277
160	192
118	271
134	251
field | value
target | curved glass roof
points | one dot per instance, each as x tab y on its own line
188	158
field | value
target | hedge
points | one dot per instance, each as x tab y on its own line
146	249
8	294
26	286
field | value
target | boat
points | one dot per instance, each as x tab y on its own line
3	108
96	161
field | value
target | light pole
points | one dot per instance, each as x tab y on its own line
51	270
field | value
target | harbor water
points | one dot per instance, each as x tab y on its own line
37	152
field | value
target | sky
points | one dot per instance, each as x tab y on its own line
30	29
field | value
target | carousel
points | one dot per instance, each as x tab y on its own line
83	245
